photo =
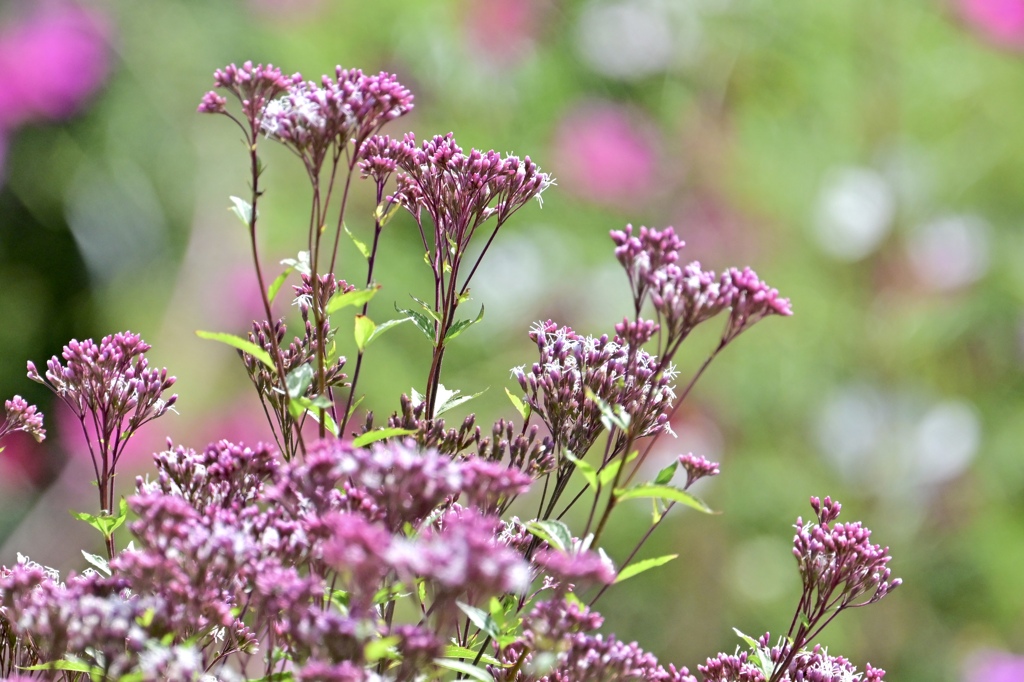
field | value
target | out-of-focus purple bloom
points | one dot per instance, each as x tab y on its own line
994	666
1001	22
51	62
520	22
605	155
22	417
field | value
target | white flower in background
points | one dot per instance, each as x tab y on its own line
855	212
950	252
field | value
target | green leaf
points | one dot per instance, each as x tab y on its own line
359	245
666	493
464	668
346	299
608	473
382	216
420	320
104	523
300	263
522	408
456	651
585	468
480	618
384	326
241	344
379	434
666	474
364	328
299	379
70	665
611	415
641	566
427	307
384	647
98	562
278	282
446	400
555	533
461	326
243	209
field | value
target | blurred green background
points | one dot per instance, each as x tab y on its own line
865	157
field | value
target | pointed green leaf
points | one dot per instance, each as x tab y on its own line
382	215
666	474
420	320
608	473
465	668
71	666
555	533
522	408
241	344
585	468
427	307
462	325
384	326
479	618
346	299
243	209
98	562
300	263
456	651
276	285
665	493
364	328
380	434
641	566
611	415
359	245
446	400
299	379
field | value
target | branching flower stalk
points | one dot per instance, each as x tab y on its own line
112	392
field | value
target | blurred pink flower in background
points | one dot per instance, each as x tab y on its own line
51	61
504	31
994	666
606	153
1001	22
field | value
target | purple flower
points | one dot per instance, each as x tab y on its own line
462	558
575	371
23	417
696	468
839	566
458	190
312	119
113	391
253	86
751	300
684	297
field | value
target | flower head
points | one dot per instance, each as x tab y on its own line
23	417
